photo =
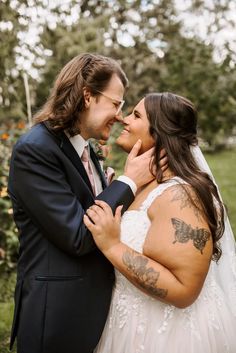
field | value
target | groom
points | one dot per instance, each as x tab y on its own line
64	283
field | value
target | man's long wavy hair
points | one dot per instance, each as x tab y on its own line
66	101
173	125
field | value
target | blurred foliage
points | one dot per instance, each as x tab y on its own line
7	285
223	167
9	133
11	85
158	58
6	314
147	37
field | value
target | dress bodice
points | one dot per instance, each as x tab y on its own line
138	323
135	223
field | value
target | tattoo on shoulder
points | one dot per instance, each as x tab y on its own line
184	232
187	199
146	277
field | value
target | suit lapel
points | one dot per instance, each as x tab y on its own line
98	167
68	149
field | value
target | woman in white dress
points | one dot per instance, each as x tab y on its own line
173	249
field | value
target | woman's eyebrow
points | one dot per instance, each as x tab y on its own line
137	112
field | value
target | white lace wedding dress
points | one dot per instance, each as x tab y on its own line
138	323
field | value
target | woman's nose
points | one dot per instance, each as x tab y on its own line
126	119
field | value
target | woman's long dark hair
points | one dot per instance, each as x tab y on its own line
66	100
173	125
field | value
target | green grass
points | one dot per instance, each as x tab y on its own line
223	166
6	312
7	286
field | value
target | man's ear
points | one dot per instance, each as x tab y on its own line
87	97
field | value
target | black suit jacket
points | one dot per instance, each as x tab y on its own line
64	282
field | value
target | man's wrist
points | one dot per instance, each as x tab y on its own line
125	179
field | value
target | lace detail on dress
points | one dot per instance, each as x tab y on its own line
159	190
135	236
168	315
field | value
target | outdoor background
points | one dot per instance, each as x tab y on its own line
184	46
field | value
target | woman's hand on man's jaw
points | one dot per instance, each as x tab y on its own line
137	167
140	168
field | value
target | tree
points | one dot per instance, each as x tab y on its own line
150	42
12	106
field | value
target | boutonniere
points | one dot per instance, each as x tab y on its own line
102	151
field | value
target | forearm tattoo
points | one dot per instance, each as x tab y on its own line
184	232
146	277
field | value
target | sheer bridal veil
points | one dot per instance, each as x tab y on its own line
225	269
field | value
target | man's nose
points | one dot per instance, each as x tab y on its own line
119	117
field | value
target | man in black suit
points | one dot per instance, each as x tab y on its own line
64	283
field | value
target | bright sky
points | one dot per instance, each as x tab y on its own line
197	24
193	25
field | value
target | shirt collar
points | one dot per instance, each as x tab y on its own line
79	143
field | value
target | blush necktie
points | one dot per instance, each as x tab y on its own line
88	167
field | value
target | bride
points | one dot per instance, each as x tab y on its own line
173	249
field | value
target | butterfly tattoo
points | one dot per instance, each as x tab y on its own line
184	232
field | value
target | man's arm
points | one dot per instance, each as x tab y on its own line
40	187
137	173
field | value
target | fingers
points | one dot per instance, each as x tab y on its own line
103	205
98	211
135	150
94	208
164	160
88	223
101	211
99	207
153	169
162	153
118	213
163	163
94	217
148	153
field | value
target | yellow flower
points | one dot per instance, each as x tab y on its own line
3	192
10	211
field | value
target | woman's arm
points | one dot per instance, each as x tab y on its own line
177	248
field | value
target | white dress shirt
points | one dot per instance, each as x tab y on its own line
78	142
